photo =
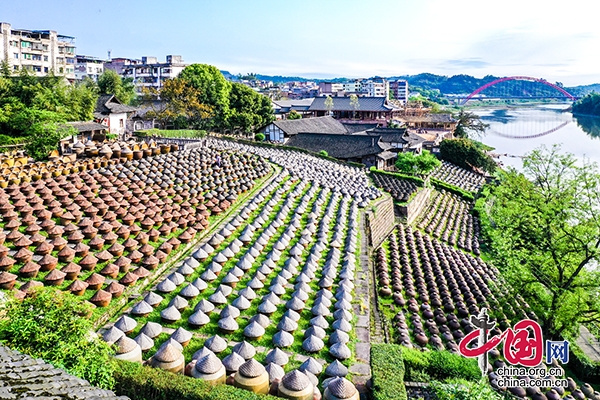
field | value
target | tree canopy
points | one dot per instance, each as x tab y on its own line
588	105
34	108
51	324
249	110
469	123
421	164
467	154
112	83
543	229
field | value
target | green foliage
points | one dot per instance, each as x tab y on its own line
438	365
387	370
543	231
465	194
249	110
111	136
588	105
461	389
466	154
421	164
50	324
469	123
260	137
112	83
174	133
44	137
293	114
582	366
212	88
144	383
323	153
420	182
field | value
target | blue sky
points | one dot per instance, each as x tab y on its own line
555	40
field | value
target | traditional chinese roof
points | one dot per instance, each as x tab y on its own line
339	146
109	104
343	104
326	124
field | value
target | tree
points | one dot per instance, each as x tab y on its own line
51	324
293	114
44	137
180	105
543	229
355	104
249	110
466	154
112	83
421	164
328	104
213	90
469	122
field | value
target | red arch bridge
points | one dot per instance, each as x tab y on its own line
526	88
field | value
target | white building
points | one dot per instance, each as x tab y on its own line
399	90
91	67
37	51
147	72
376	88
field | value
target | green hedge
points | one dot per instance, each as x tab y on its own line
172	133
387	370
418	181
465	194
144	383
438	366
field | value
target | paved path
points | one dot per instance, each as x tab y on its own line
588	344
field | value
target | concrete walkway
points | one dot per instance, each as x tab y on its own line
588	344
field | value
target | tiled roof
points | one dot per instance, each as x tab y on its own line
87	126
436	118
22	377
358	127
339	146
108	103
343	104
317	125
287	105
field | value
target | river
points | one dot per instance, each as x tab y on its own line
515	131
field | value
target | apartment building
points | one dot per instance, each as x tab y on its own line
399	90
376	88
147	72
38	51
91	67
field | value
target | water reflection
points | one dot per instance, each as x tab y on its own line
590	125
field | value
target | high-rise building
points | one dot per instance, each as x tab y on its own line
38	51
399	90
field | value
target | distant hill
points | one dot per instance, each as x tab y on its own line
456	84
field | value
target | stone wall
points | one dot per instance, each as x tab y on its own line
412	210
380	220
23	377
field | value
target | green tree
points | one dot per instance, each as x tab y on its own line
112	83
213	90
543	227
51	324
469	123
355	104
467	154
410	163
329	104
249	110
293	114
44	137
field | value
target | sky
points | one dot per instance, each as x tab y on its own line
554	40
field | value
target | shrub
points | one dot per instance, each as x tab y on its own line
259	137
112	136
139	382
48	324
452	189
421	164
461	389
466	154
438	365
387	370
323	153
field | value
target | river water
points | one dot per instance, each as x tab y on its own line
515	131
